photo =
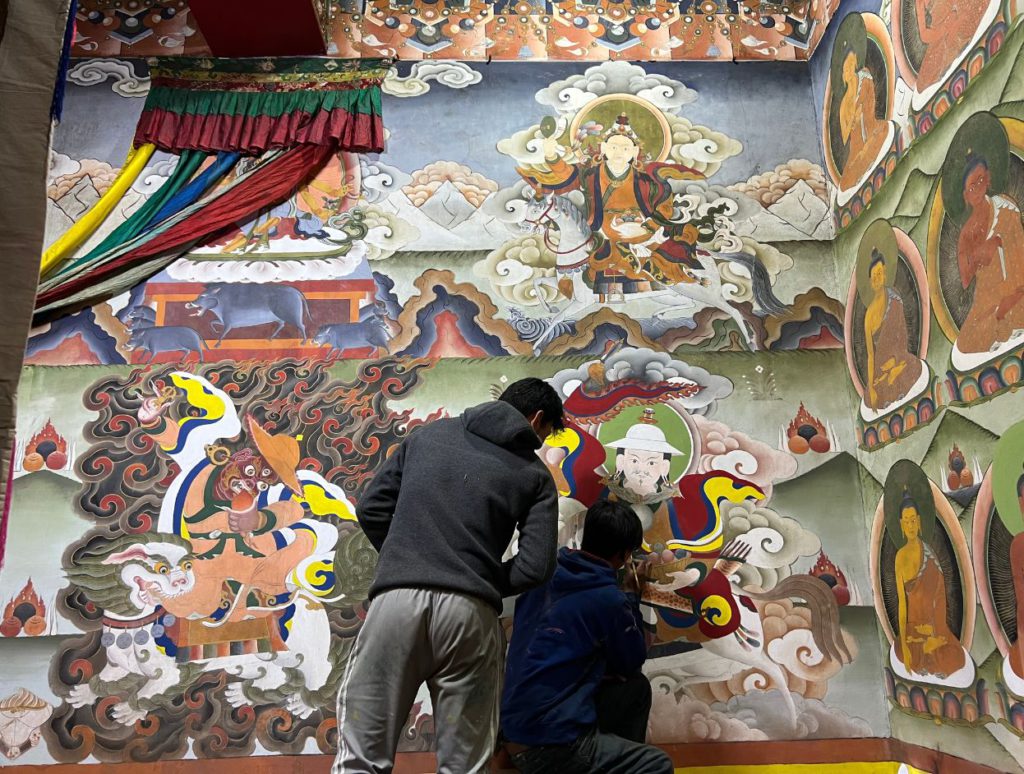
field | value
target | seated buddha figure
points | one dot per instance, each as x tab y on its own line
946	28
925	644
892	368
860	129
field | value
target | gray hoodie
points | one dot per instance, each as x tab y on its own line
442	510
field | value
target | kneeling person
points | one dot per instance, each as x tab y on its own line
575	700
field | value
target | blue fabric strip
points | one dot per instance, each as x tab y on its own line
191	193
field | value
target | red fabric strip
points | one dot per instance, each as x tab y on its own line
174	132
271	185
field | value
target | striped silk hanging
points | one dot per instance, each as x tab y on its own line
290	114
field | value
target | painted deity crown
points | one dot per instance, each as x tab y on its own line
621	128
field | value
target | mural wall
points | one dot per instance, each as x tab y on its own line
196	446
816	316
922	134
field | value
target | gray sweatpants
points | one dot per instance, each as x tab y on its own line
452	642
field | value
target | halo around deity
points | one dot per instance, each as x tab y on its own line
981	138
1007	471
678	437
647	120
852	38
878	236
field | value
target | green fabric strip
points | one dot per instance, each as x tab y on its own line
188	163
252	104
95	260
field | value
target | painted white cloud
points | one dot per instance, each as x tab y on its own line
93	72
776	542
454	75
571	94
377	180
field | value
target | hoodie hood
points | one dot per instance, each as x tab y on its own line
501	424
577	571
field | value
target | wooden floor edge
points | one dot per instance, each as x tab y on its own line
820	751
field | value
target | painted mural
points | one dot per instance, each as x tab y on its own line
615	213
893	72
819	432
199	442
942	450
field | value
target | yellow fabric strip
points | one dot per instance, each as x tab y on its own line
76	236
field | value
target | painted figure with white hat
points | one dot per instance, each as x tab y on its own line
643	459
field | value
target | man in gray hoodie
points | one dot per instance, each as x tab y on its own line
442	511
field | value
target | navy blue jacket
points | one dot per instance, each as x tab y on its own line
568	634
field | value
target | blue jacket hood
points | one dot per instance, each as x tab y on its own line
578	571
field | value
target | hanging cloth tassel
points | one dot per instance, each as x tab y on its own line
57	107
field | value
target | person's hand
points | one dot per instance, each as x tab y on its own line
635	577
734	556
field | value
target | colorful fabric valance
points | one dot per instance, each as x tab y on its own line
293	114
254	105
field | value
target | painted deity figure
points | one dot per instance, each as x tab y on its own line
892	369
629	207
674	523
946	27
860	130
249	546
925	644
990	253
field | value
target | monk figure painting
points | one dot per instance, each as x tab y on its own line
945	28
889	365
926	645
858	129
976	193
922	590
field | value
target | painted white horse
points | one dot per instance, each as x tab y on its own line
722	658
573	251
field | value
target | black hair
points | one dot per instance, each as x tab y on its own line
1020	486
972	163
530	395
876	258
610	529
907	502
